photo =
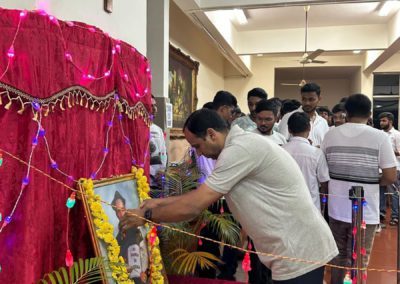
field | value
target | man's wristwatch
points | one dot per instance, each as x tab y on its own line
148	214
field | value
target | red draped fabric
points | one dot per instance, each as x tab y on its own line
34	242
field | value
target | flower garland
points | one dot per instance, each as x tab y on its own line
153	241
104	231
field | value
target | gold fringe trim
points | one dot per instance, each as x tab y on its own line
71	97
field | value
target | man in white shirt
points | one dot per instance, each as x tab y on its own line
311	160
277	212
266	117
386	122
158	150
253	97
355	152
310	98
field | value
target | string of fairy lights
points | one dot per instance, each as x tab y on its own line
40	133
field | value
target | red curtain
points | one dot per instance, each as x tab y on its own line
34	242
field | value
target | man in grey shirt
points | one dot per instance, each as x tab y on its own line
277	212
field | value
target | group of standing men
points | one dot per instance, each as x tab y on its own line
272	181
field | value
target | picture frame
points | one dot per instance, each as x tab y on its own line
120	192
182	88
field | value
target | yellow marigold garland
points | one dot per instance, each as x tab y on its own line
156	267
104	231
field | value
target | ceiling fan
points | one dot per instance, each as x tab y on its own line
307	58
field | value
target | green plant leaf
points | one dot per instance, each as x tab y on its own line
81	266
187	262
65	274
82	271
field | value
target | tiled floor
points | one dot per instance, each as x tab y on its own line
384	255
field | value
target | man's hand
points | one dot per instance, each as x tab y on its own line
131	220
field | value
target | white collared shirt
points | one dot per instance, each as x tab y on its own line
276	137
319	127
312	163
394	136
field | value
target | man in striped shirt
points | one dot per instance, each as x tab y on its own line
355	152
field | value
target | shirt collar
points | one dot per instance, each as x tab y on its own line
299	139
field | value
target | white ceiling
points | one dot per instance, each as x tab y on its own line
319	16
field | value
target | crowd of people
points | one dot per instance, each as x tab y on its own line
276	167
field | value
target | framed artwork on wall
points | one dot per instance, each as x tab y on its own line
182	87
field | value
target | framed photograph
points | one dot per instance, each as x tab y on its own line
181	88
121	192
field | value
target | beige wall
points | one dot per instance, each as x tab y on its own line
263	69
332	90
194	42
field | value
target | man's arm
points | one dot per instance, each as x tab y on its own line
172	209
389	176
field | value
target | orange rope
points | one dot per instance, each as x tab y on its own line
293	259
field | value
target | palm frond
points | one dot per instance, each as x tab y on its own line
224	225
186	262
82	271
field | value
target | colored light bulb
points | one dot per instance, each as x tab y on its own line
116	97
71	178
54	165
7	219
70	24
118	48
113	51
68	56
133	162
42	132
69	259
347	279
146	91
22	14
119	116
105	151
93	175
71	200
25	181
34	141
200	242
110	124
151	117
10	52
107	73
324	199
141	165
127	141
148	69
36	106
92	29
126	78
